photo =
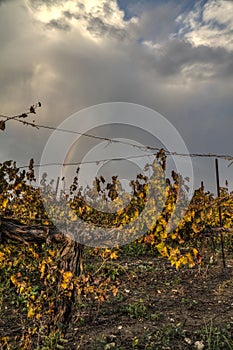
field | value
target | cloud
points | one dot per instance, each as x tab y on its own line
73	55
155	22
194	45
210	25
58	24
98	19
4	1
199	62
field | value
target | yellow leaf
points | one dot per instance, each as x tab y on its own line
2	256
42	268
73	216
21	289
114	255
4	339
51	252
163	235
5	202
31	313
67	275
195	252
46	223
66	278
14	280
183	260
190	260
162	249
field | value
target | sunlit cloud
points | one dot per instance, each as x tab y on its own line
96	19
210	25
71	55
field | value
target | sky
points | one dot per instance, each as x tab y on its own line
175	57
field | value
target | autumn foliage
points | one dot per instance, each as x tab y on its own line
35	270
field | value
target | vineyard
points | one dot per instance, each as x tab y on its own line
166	289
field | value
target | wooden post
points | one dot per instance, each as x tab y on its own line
220	213
202	186
57	185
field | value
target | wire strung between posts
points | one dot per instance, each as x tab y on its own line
109	140
97	162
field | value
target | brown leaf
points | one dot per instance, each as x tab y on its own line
2	125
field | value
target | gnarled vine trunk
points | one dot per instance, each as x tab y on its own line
70	254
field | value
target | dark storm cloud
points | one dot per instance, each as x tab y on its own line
226	71
58	24
107	9
98	27
157	21
175	55
67	70
68	14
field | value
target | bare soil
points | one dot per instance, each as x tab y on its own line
157	307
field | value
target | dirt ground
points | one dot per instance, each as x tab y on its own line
157	307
